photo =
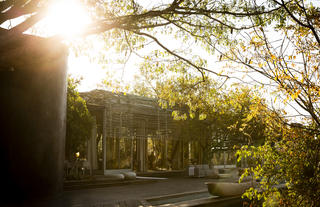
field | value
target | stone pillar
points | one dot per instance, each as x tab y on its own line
132	140
110	139
33	120
224	159
178	154
165	153
104	140
92	148
182	154
118	141
166	143
141	147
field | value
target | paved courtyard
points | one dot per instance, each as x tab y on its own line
108	196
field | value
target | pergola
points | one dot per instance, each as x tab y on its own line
125	125
134	133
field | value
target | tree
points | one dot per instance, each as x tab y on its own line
129	25
288	58
228	116
291	158
79	122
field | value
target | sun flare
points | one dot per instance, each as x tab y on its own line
67	18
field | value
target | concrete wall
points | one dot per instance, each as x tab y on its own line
33	115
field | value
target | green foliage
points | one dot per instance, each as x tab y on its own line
293	160
288	57
290	154
230	117
79	122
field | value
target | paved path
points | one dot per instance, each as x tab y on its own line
132	192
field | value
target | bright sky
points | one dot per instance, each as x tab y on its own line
91	71
61	21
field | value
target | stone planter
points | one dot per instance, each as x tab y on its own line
224	189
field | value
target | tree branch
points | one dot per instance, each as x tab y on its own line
29	22
309	26
18	8
200	69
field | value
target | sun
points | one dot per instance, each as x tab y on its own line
66	18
